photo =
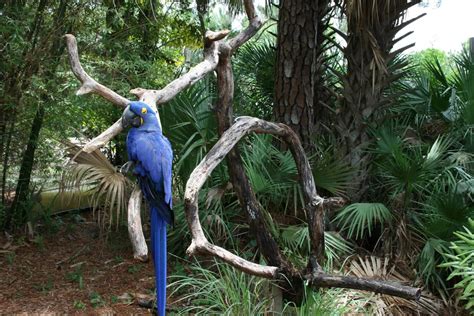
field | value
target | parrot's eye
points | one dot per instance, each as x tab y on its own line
144	111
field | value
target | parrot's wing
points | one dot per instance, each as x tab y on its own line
154	166
167	163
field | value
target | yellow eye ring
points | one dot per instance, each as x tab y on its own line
144	111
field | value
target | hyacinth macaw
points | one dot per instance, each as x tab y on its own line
151	154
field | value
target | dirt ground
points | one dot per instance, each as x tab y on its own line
69	268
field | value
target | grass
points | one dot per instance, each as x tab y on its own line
220	289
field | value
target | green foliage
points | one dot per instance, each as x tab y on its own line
273	175
191	127
76	276
359	219
39	242
134	268
220	289
45	287
428	261
423	161
297	243
78	304
460	261
255	78
322	302
96	300
331	173
10	256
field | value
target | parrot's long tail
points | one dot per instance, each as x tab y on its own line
158	238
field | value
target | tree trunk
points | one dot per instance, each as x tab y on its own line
18	211
372	26
6	156
17	79
295	67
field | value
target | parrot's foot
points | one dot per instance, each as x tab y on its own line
127	167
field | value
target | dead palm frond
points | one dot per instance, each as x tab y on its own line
383	269
93	173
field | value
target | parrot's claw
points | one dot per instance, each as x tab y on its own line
127	167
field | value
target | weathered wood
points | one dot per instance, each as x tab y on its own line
201	246
99	141
195	74
254	25
135	231
267	245
217	56
382	287
89	85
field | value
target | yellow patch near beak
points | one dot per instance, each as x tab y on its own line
144	111
141	120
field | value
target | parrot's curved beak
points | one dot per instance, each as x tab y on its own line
130	119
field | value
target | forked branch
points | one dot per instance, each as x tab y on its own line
89	85
149	96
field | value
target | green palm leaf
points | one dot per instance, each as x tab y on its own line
359	219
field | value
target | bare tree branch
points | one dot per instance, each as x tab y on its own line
88	84
254	25
195	74
135	231
99	141
348	282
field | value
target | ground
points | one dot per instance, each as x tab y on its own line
68	267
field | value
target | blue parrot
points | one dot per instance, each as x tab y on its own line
151	154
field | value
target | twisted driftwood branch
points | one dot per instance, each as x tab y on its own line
201	246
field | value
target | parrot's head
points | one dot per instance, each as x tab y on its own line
136	114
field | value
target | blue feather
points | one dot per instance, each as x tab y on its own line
158	241
152	154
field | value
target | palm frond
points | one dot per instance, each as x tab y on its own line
95	174
191	127
332	174
428	261
359	219
273	175
296	239
379	268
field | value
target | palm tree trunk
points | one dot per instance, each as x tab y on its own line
372	26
